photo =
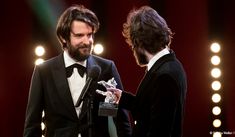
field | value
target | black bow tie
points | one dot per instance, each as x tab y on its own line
81	70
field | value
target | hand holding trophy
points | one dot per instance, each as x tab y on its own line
109	106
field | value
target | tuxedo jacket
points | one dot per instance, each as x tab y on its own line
49	92
158	106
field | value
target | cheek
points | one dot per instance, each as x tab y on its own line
75	42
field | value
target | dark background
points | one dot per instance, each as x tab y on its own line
196	23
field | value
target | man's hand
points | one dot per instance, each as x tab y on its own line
116	92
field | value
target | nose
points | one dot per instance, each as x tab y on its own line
88	40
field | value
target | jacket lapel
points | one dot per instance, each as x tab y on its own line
59	76
143	83
154	68
90	62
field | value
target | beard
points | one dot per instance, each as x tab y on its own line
81	52
140	57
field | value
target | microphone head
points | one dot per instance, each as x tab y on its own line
94	72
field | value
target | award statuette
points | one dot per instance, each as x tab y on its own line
108	107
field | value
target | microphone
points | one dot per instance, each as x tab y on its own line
93	75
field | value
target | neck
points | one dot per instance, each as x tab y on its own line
148	55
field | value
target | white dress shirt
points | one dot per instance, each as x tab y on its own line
76	82
156	57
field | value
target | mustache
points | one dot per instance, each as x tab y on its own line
84	46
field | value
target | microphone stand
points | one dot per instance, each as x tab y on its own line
89	114
88	93
87	99
90	104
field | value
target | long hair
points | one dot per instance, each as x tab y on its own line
145	28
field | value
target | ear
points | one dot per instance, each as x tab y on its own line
63	40
168	45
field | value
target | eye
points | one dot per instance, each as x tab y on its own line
78	35
90	35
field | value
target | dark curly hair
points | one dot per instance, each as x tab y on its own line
145	28
75	12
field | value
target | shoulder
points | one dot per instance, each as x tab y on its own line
101	61
106	65
52	62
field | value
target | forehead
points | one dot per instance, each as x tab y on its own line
80	27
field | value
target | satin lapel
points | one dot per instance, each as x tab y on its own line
143	83
59	76
90	62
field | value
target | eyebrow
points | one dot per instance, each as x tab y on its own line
81	33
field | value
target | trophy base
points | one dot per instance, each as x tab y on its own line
107	109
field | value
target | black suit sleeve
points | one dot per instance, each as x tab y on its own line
34	108
122	120
165	104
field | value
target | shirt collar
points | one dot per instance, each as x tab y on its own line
70	61
156	57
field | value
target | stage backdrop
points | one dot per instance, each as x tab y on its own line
195	23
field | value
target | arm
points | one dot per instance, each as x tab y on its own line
123	99
164	107
122	119
34	107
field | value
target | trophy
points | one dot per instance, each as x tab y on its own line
108	107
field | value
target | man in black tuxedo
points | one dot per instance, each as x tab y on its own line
158	106
56	85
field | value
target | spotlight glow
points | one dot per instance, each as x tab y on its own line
42	126
215	60
43	113
216	98
217	123
217	134
39	61
39	51
216	72
216	110
98	49
216	85
42	123
215	47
